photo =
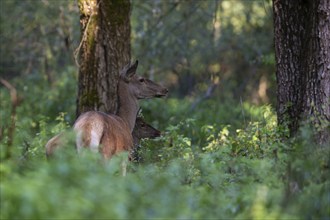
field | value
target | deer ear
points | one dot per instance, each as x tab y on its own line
129	71
132	69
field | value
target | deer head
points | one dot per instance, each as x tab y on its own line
131	88
140	87
144	130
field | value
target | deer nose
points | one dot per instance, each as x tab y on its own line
162	93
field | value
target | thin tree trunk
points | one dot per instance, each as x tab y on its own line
104	50
13	117
302	49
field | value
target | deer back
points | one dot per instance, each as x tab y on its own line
108	134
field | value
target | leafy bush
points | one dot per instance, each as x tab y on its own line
199	168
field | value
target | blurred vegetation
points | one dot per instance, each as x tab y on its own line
221	155
194	44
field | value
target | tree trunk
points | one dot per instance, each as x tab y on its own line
104	51
302	49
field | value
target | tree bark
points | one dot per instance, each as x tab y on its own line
302	50
104	50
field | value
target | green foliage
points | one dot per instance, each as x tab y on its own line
249	173
185	44
219	160
222	158
39	110
190	44
36	36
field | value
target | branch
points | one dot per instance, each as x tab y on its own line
14	103
83	39
84	36
206	95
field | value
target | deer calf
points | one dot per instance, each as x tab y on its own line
142	130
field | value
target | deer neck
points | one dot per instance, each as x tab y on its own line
128	105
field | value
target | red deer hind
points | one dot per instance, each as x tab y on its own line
141	130
110	134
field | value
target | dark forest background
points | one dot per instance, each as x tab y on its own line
221	153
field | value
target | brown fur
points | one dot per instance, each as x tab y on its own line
143	130
53	144
115	135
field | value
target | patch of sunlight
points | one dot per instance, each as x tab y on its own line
214	68
258	11
240	13
259	209
233	13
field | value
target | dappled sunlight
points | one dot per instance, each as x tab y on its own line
223	39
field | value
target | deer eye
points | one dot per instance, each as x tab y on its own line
141	80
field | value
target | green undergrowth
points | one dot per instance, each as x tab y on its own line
219	160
